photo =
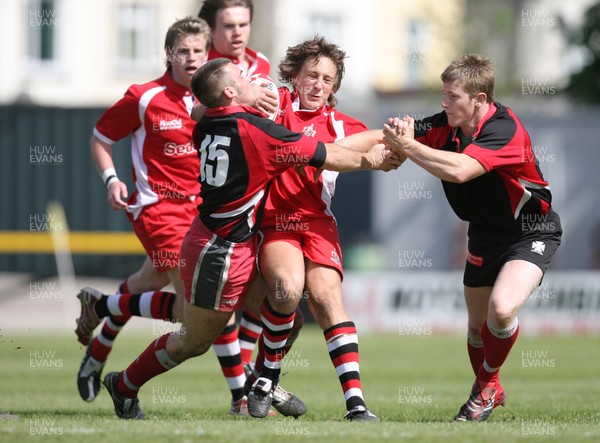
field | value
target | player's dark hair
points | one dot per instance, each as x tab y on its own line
474	73
208	82
181	28
209	9
312	50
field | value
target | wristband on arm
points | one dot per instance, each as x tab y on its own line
109	176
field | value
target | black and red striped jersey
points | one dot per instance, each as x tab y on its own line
240	153
513	190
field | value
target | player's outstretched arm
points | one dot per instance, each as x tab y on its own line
102	157
362	141
448	166
341	159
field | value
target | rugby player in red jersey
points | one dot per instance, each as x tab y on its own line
301	252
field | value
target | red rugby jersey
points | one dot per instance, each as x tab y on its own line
301	195
157	116
258	63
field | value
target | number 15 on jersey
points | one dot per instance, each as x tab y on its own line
214	161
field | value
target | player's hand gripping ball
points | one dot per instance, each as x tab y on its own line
270	85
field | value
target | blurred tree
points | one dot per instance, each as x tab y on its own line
585	85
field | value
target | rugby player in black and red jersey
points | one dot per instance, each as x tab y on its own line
483	155
157	116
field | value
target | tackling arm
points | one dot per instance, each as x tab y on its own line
341	159
448	166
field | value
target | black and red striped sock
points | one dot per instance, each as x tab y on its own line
151	304
276	329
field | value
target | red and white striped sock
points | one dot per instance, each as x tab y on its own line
151	304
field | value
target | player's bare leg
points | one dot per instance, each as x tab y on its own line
324	285
515	283
178	310
199	329
146	279
477	301
325	301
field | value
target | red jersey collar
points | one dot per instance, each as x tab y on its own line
485	118
172	85
248	53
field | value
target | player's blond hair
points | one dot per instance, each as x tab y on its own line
312	50
474	73
182	28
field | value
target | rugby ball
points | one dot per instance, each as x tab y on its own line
266	82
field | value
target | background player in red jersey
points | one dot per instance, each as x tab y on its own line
230	24
239	159
301	247
483	155
165	165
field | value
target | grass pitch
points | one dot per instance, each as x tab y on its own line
414	383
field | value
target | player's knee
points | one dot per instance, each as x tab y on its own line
286	290
501	315
191	350
328	309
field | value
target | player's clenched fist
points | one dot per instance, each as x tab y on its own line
117	195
